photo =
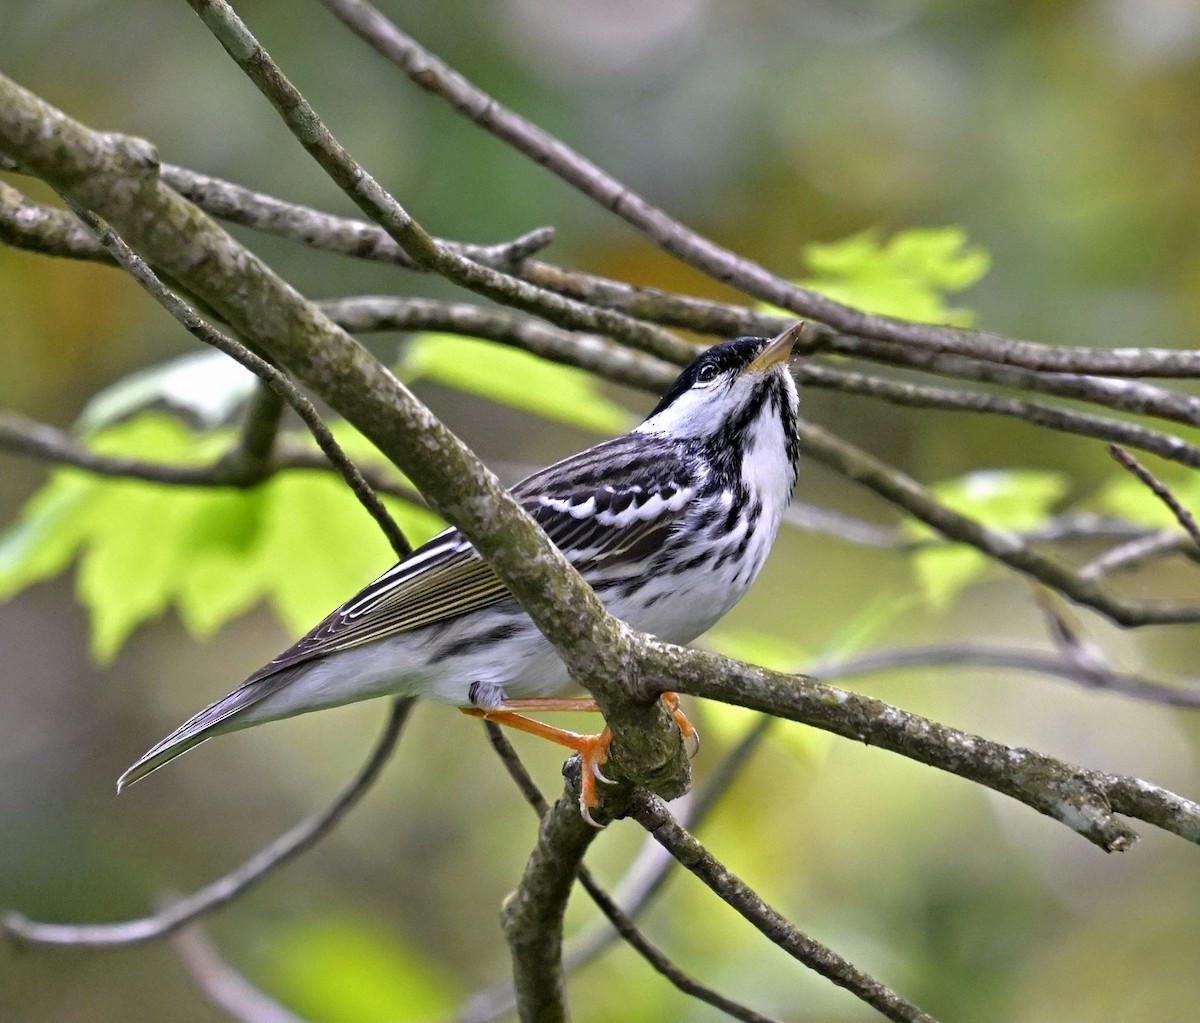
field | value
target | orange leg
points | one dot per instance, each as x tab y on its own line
592	749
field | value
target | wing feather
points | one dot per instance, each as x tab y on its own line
606	507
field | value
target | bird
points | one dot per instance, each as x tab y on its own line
669	524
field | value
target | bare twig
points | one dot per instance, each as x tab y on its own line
1141	549
593	352
622	923
652	814
425	251
1160	490
1006	547
23	436
434	75
344	235
1126	395
224	986
1036	661
260	431
1053	417
225	889
201	329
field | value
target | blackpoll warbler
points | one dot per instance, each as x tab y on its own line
670	525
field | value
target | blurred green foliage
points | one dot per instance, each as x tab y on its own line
351	970
1016	499
211	553
908	276
513	377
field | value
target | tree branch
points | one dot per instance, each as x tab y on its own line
621	922
532	916
117	176
254	458
483	110
1081	799
362	189
1006	547
179	913
652	814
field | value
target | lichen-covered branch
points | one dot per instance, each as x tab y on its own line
1080	798
532	916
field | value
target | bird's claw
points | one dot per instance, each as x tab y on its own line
691	737
593	751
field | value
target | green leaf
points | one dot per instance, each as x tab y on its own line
299	540
44	540
1004	498
907	276
513	377
345	970
944	572
1018	499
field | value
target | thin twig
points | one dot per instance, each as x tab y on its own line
1004	546
224	986
22	436
652	814
484	110
1131	396
622	923
260	431
592	352
1036	661
955	400
201	329
1160	490
344	235
225	889
361	188
1141	549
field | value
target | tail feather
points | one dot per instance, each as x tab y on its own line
215	719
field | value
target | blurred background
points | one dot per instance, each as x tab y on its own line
1064	137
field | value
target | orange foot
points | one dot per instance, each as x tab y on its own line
592	749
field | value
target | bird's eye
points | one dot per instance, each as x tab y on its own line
708	371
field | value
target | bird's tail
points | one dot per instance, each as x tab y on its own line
215	719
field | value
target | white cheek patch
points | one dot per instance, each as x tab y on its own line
698	412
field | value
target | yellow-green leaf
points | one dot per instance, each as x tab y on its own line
513	377
1018	499
907	276
300	540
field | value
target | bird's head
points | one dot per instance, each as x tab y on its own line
729	387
